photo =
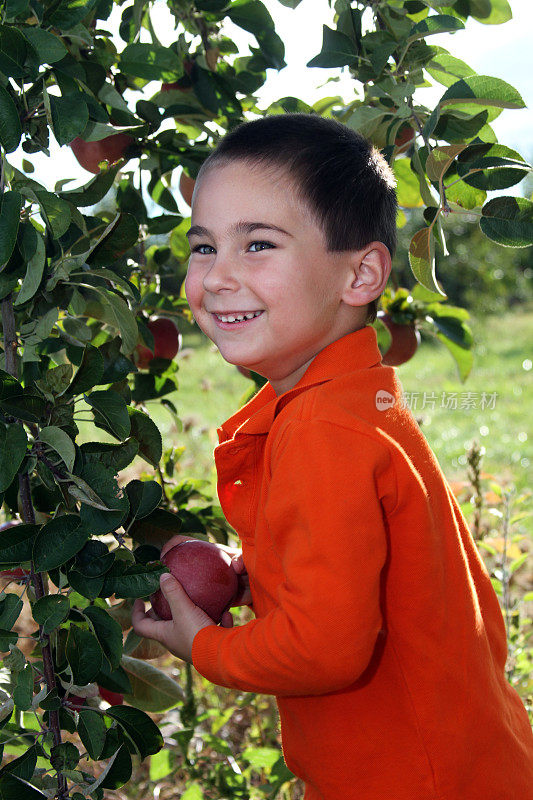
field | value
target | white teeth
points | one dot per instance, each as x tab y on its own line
238	317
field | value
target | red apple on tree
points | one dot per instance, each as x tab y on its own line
404	137
167	342
186	186
113	698
205	572
404	341
111	149
14	573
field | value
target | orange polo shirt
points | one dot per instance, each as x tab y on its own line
377	627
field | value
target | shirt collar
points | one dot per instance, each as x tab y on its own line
355	351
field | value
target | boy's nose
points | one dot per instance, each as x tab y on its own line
221	275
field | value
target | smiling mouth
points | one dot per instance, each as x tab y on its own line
237	316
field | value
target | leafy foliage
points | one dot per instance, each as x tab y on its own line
78	287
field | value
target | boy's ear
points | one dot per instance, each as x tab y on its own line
369	273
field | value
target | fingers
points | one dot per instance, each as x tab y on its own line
180	603
238	564
146	623
227	620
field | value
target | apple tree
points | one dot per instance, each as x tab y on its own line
87	288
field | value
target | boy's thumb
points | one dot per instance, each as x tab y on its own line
173	590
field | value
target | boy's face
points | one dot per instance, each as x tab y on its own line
257	250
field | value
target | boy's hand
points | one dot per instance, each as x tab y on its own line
177	634
244	596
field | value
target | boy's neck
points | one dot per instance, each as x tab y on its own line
286	383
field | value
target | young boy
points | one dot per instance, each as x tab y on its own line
377	627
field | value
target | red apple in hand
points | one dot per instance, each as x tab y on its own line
205	572
167	342
404	341
90	154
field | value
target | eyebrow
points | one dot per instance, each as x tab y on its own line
240	228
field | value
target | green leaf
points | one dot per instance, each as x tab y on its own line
10	125
64	756
84	655
144	497
13	788
422	259
142	730
13	49
47	47
92	731
139	580
118	314
446	69
436	23
7	640
23	691
94	191
498	12
151	689
119	237
89	373
58	440
146	432
50	611
482	90
408	188
56	212
10	607
13	446
108	632
151	61
250	15
464	359
24	766
103	481
69	117
337	50
110	409
94	560
68	13
157	528
117	456
117	772
9	215
453	328
57	541
500	166
261	757
35	266
86	587
508	221
440	159
16	544
115	680
161	195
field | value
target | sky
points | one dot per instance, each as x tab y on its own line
502	51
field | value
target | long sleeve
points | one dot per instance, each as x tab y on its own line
325	519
